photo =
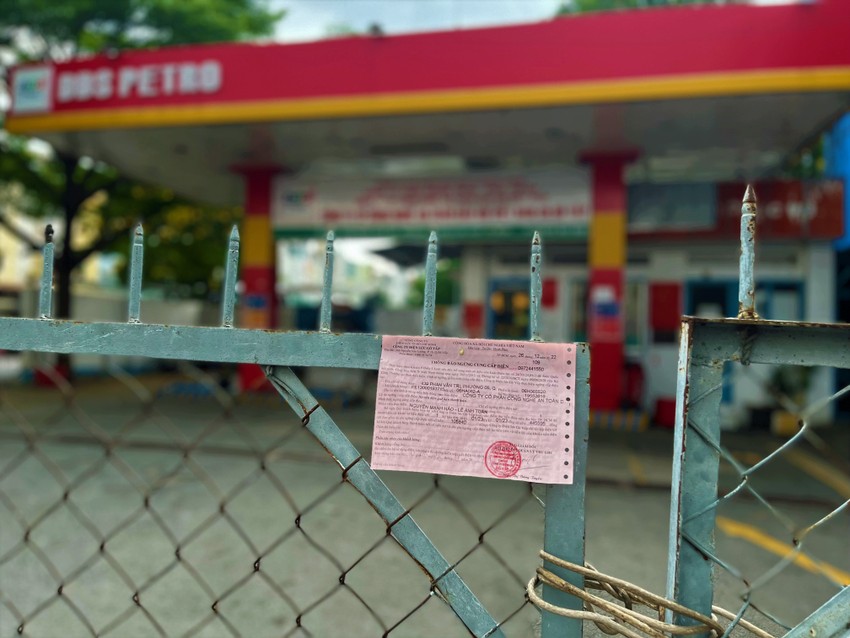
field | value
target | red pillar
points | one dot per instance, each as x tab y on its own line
606	276
258	303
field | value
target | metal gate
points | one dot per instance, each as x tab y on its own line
277	353
706	347
252	582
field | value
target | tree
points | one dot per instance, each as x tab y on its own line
584	6
446	293
61	184
185	248
58	30
186	241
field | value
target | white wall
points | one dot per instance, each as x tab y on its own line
812	264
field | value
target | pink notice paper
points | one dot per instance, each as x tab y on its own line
473	407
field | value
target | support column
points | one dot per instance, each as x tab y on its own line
258	307
606	277
473	289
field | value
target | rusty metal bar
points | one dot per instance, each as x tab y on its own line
430	286
136	260
696	463
327	285
536	288
746	283
45	296
231	271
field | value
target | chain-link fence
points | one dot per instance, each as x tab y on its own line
162	505
128	511
158	505
784	371
716	357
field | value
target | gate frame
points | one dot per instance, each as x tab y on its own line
564	522
705	346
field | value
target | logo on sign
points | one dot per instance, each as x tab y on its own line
31	89
299	197
139	82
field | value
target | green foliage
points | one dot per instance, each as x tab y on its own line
340	30
790	381
809	162
447	293
185	247
67	27
98	205
584	6
186	241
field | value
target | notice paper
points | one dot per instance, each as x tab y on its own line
474	407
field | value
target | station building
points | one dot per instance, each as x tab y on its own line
625	138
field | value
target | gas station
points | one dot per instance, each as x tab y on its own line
626	138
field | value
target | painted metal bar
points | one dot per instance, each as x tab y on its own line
327	285
136	259
430	286
673	536
536	287
746	268
778	342
696	463
563	534
773	342
404	529
227	345
45	296
231	270
831	620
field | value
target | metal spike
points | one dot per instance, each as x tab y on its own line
536	287
136	259
231	270
746	276
430	286
327	285
45	297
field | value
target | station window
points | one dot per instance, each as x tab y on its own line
635	312
509	308
782	301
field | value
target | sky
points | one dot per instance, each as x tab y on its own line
312	19
315	19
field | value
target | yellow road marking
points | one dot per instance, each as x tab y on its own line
773	545
636	468
820	470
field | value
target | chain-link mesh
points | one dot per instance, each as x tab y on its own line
159	505
776	441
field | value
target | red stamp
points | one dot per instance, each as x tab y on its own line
502	459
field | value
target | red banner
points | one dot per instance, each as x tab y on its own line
786	209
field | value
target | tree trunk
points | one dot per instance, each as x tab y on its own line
65	263
63	306
63	288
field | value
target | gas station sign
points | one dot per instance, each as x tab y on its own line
112	82
489	205
788	209
147	81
